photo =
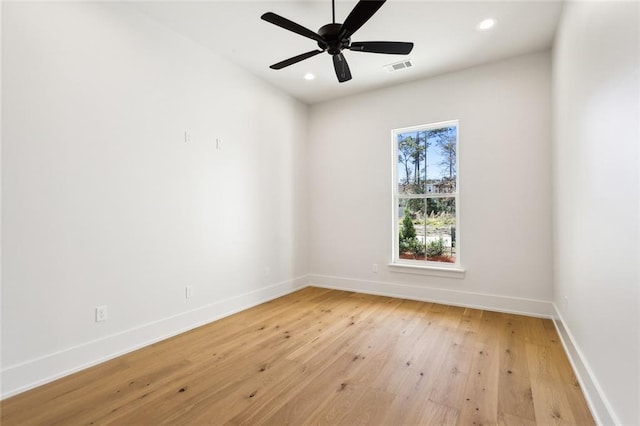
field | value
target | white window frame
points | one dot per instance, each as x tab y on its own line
424	267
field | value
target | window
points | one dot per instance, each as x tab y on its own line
425	196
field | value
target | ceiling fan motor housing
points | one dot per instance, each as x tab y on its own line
332	42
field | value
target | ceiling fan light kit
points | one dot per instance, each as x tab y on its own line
334	38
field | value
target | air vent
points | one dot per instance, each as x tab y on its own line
397	66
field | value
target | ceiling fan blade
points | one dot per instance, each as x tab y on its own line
295	59
291	26
342	68
360	14
389	47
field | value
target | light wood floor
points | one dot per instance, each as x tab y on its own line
328	357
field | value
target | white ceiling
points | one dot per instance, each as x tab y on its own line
443	32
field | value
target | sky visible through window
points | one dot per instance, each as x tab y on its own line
434	159
426	156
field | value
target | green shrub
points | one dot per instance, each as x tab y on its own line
404	245
435	248
408	242
417	247
408	231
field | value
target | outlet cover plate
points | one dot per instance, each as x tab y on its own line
101	313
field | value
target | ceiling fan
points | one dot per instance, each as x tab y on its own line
334	38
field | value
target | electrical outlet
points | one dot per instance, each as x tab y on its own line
218	143
188	292
374	268
187	136
101	313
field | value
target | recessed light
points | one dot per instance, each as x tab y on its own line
486	24
309	76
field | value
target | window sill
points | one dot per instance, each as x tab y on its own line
437	271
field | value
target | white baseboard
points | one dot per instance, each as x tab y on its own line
29	374
598	403
515	305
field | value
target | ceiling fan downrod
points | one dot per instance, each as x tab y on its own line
333	10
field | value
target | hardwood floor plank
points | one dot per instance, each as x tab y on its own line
370	409
436	414
505	419
327	357
452	375
513	356
551	403
515	397
540	362
480	404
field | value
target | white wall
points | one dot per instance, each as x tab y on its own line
596	199
105	204
505	185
